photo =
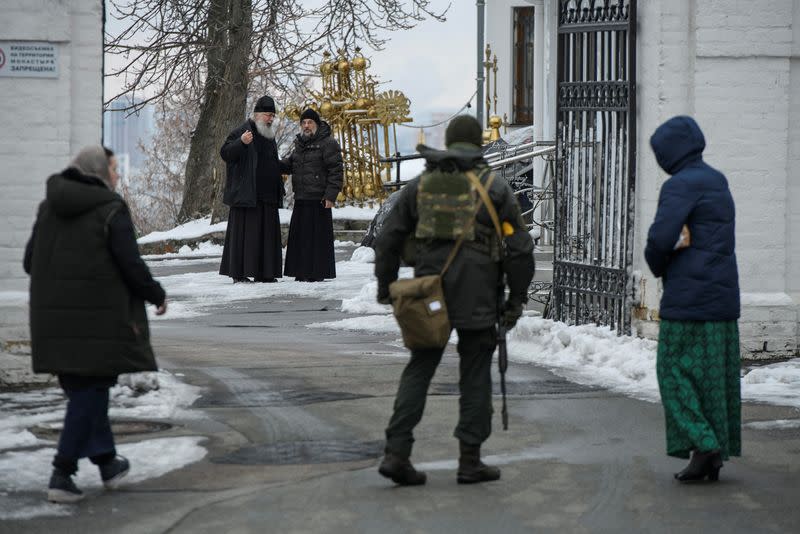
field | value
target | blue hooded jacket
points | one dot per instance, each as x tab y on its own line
701	282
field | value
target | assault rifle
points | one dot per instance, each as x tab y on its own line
502	353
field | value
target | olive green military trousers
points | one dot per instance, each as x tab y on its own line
475	349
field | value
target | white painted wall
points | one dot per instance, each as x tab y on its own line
732	65
793	170
45	121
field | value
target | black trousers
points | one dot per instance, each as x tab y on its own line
475	349
87	429
253	243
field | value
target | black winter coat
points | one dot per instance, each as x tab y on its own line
701	282
316	166
241	163
88	283
471	282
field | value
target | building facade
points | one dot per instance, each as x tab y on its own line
51	80
735	67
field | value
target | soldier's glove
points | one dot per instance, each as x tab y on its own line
511	314
383	295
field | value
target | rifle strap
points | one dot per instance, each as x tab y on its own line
483	198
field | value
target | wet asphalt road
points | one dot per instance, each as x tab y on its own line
294	421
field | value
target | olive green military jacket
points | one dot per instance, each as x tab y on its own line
471	283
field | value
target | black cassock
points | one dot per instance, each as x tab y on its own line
309	251
253	238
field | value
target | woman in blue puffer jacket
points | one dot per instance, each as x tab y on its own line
691	246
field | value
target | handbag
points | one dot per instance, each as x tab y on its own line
418	303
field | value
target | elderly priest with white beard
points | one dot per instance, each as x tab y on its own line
254	192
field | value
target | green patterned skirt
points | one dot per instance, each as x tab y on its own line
698	373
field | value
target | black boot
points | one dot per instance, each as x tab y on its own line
62	489
113	471
470	468
400	471
702	465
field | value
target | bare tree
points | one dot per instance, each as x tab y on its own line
155	192
214	49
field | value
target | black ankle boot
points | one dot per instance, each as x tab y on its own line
702	465
471	469
399	469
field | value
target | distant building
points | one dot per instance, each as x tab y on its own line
123	133
51	82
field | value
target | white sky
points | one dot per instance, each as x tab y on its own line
433	64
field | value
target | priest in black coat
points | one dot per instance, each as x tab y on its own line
254	192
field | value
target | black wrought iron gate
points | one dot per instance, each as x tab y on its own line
595	162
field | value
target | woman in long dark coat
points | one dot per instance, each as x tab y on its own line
87	315
691	246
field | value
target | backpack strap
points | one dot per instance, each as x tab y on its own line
484	195
483	198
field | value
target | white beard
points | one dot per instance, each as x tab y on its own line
265	130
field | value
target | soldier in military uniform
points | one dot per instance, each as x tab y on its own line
471	287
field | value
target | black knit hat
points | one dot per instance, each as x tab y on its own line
464	129
311	114
265	104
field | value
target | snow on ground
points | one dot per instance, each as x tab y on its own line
201	227
204	249
149	396
193	294
778	424
22	472
190	230
586	354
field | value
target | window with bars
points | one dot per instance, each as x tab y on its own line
522	112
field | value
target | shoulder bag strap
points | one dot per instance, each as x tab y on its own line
483	192
483	198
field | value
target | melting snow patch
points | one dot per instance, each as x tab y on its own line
30	470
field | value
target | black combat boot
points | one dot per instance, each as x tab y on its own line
400	471
702	465
470	468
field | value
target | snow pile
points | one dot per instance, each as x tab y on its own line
203	249
190	230
379	324
778	383
363	255
30	470
153	396
778	424
587	354
354	213
365	301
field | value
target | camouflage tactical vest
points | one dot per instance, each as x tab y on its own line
445	204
